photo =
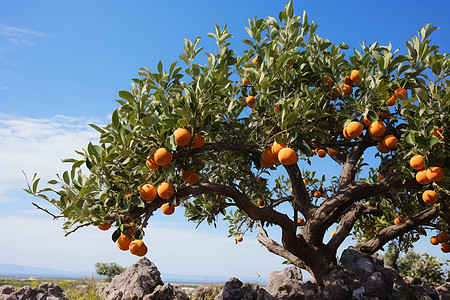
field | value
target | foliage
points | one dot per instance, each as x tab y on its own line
109	269
425	266
288	73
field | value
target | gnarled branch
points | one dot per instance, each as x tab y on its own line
301	197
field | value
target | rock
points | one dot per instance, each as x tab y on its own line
443	291
234	289
46	290
288	284
206	292
167	292
137	281
416	281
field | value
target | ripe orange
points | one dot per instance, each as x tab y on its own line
445	247
348	81
287	156
168	208
182	136
317	194
260	202
239	239
401	94
417	162
162	157
442	237
422	178
189	176
377	129
333	233
345	133
264	163
277	109
250	101
398	221
269	156
354	129
380	177
305	182
354	76
328	81
165	190
390	141
255	60
245	81
430	197
434	240
148	192
382	148
104	226
290	190
435	174
137	247
347	89
366	121
199	141
132	229
391	101
123	242
438	132
322	153
332	152
390	169
151	164
385	115
301	221
277	147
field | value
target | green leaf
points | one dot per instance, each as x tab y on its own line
183	122
66	178
304	147
53	181
35	185
115	119
160	67
410	139
116	234
137	201
433	140
171	143
372	116
126	95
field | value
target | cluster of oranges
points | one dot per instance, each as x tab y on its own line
443	239
278	153
432	174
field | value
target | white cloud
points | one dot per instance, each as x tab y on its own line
4	87
6	30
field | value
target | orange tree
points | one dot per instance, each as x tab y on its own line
189	133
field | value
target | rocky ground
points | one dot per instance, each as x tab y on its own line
358	276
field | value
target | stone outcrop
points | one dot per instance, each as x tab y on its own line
167	292
234	289
288	284
46	290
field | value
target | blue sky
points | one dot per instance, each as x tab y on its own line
61	66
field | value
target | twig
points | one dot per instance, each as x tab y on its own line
51	214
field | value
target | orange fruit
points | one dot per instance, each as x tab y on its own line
189	176
255	60
287	156
260	202
199	141
401	94
162	157
137	247
422	178
435	174
168	208
417	162
317	194
269	156
305	182
377	129
245	81
264	163
239	239
148	192
277	109
333	233
322	153
434	240
151	164
380	177
445	247
398	221
347	89
332	152
391	101
132	229
385	115
366	121
390	169
328	81
345	133
442	237
123	242
430	197
382	148
182	136
250	101
348	81
104	226
354	129
165	190
354	77
301	221
438	132
277	147
290	191
390	141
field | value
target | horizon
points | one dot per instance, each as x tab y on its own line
61	67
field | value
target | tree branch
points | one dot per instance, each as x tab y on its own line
301	197
391	232
47	211
348	170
